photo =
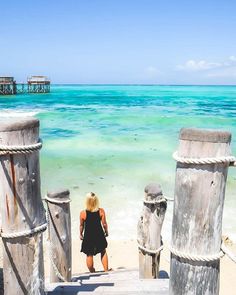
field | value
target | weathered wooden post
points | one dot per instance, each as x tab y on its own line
59	235
202	163
149	231
23	215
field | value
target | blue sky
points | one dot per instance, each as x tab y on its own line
108	41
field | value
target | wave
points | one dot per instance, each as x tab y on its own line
18	113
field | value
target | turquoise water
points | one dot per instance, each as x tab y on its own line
116	139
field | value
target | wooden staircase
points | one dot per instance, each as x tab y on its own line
119	282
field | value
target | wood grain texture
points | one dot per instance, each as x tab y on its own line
21	209
60	235
149	231
198	210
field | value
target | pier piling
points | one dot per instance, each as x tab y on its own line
149	231
35	84
59	235
7	86
198	209
22	211
38	84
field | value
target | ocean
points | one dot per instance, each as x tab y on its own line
116	139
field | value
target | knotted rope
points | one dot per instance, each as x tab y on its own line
205	258
54	201
58	274
35	283
26	233
163	199
150	251
193	257
20	149
154	201
230	160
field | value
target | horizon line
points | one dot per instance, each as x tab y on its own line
139	84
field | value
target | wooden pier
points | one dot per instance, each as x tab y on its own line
35	84
38	84
7	86
21	88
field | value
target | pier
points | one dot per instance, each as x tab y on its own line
35	84
38	84
7	86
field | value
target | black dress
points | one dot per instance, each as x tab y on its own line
94	240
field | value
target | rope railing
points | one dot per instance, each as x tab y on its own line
230	160
150	251
20	149
154	201
26	233
53	201
31	232
56	271
161	200
193	257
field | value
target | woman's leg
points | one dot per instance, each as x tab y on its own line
104	260
89	261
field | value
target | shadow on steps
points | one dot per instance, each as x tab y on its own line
125	282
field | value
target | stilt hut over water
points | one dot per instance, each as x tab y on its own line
7	85
38	84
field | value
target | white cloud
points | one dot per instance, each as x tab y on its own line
203	65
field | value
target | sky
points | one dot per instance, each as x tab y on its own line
119	42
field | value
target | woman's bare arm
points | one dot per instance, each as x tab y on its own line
82	220
103	220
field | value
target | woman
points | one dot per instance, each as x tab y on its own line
93	225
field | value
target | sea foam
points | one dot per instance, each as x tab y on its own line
18	113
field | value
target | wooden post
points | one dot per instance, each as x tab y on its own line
59	235
21	210
149	231
198	209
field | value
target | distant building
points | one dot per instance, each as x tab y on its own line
38	84
7	85
35	84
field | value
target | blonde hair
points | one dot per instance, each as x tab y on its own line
92	202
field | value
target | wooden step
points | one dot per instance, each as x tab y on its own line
109	283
